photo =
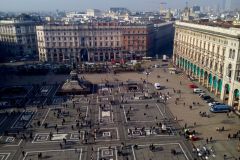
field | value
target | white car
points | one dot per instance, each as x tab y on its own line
197	90
214	103
157	86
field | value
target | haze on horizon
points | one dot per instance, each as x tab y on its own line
82	5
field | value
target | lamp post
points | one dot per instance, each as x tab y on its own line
147	74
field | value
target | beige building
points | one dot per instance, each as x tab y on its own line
18	37
79	42
93	42
212	55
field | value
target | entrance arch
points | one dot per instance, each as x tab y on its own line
205	78
236	97
219	87
214	83
84	55
210	80
226	93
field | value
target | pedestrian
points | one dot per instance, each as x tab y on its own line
207	140
184	104
194	124
190	107
210	139
185	125
229	136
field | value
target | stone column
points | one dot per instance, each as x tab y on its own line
63	57
52	57
98	56
58	58
231	96
104	56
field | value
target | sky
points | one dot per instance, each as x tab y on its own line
82	5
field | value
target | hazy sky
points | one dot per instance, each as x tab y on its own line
68	5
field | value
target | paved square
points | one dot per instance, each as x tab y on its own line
66	115
57	137
142	112
54	154
159	151
108	153
105	114
146	131
4	156
23	120
106	134
10	141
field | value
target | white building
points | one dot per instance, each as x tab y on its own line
94	13
212	55
18	37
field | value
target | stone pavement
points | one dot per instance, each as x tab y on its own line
205	127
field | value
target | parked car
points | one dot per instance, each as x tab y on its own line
197	90
209	100
214	103
220	108
205	97
157	86
192	86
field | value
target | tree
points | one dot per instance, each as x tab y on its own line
137	66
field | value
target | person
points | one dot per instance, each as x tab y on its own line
229	136
194	124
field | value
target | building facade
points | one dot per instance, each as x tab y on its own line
92	42
137	40
212	55
18	37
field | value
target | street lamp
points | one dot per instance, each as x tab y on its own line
147	74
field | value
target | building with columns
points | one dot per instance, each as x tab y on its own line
18	37
212	56
92	42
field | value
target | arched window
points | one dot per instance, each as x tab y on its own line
233	54
229	70
230	54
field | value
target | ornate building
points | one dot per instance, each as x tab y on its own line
18	37
92	42
212	55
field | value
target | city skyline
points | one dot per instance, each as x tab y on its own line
134	5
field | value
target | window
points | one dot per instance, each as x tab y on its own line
233	54
230	54
229	70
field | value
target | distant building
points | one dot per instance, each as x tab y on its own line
94	13
212	56
232	5
186	14
94	42
18	37
119	10
137	40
